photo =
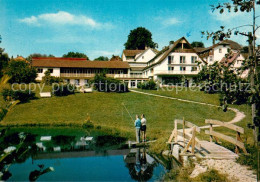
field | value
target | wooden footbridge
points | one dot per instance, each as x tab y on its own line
184	142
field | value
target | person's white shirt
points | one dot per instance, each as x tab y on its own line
143	121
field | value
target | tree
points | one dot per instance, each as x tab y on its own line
197	44
101	58
252	62
21	72
140	38
3	61
75	55
36	55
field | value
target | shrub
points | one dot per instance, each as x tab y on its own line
63	90
88	124
49	80
21	95
148	85
103	84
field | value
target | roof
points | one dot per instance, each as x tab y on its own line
230	59
77	63
233	45
167	50
132	53
199	49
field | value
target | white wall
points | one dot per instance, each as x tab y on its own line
217	55
146	56
56	72
164	65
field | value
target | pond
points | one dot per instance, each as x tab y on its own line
92	157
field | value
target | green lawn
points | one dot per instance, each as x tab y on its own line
105	109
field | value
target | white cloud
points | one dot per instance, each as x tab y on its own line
30	20
170	21
63	18
167	21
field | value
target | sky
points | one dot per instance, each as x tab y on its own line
100	27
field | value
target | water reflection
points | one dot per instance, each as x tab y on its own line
140	164
26	156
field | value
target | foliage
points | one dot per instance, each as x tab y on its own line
101	58
88	124
3	61
249	160
147	85
75	55
21	95
49	80
197	44
3	112
104	84
63	90
36	55
217	78
140	38
251	63
211	175
21	72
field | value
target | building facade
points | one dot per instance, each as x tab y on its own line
177	63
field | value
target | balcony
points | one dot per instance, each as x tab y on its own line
177	72
89	75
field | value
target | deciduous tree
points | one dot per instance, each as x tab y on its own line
140	38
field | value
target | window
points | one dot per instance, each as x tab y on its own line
40	70
76	81
182	59
50	70
170	68
170	59
193	59
133	83
210	58
194	68
220	50
142	57
86	81
182	68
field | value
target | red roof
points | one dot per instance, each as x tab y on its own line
76	63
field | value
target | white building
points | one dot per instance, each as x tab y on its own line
176	63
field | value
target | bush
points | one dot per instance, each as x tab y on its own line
88	124
22	96
148	85
49	80
63	90
104	84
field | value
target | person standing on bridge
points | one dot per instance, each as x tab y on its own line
137	128
143	127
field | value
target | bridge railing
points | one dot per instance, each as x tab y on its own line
236	141
188	133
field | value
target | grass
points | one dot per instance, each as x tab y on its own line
106	109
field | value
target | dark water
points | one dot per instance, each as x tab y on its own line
71	158
95	168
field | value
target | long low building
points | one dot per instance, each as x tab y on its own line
79	71
177	63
